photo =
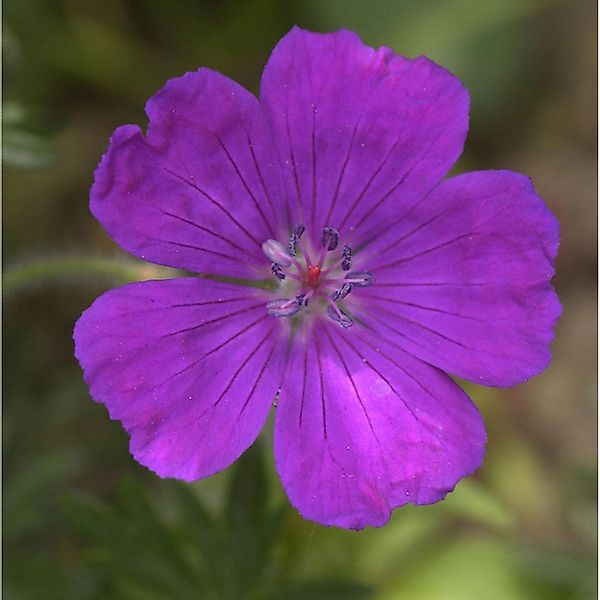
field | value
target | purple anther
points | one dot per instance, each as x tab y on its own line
346	258
283	307
276	270
302	299
330	238
360	278
342	292
340	317
277	253
295	236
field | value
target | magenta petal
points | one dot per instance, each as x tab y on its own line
200	192
463	282
362	428
361	133
190	367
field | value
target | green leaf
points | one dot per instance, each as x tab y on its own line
25	150
251	524
247	498
325	590
30	488
204	533
158	534
474	502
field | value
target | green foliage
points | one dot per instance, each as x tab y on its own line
173	546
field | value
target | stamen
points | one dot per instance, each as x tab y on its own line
277	253
276	270
296	235
330	280
360	278
282	307
346	258
302	299
339	317
330	238
342	292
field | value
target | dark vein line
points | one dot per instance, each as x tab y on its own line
314	168
430	284
433	331
293	160
438	402
198	248
206	355
375	370
442	245
404	176
146	311
369	183
201	228
303	384
259	172
353	383
343	171
217	320
236	374
258	378
429	308
245	184
323	410
414	231
213	201
436	333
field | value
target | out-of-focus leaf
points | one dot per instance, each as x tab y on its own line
92	518
25	150
325	590
468	569
204	531
71	269
474	502
30	488
163	538
557	567
251	524
140	551
247	498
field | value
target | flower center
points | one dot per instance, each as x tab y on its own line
320	275
312	276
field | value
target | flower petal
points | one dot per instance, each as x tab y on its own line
362	428
361	133
190	367
463	282
201	190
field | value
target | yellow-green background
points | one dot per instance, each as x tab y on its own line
82	519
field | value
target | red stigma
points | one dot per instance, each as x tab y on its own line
312	275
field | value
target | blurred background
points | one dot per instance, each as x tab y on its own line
82	520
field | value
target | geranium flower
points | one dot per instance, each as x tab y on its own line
385	278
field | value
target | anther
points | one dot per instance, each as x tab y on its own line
346	258
330	238
276	270
277	253
360	278
302	299
282	307
339	317
296	235
342	292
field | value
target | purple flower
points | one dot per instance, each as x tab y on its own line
383	277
